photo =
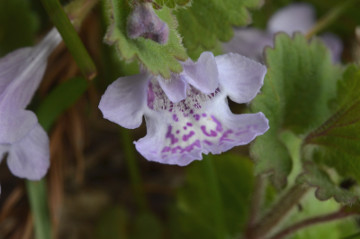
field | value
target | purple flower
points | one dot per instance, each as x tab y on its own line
297	17
21	136
188	114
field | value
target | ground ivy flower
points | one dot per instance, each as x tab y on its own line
297	17
188	114
21	136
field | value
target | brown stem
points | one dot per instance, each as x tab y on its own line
312	221
278	211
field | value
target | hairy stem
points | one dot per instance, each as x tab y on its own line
279	211
312	221
256	201
330	17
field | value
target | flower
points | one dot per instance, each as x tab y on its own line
299	17
21	135
188	114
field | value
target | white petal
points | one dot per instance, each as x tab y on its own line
240	78
29	157
249	42
174	88
15	124
203	74
295	17
125	100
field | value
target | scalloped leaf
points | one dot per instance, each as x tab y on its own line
338	139
207	21
301	79
326	188
157	58
173	3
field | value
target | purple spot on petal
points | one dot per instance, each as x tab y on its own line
189	124
191	146
175	118
211	134
185	128
177	131
203	115
197	117
225	135
170	136
207	142
191	112
218	124
188	136
166	149
150	96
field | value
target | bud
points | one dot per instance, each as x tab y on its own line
143	22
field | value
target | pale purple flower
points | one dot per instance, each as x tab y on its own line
21	136
297	17
188	114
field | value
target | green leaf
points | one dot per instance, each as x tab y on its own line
18	25
173	3
338	139
301	79
207	21
147	226
326	188
61	98
112	224
157	58
195	215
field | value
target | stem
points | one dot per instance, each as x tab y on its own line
133	169
212	179
38	199
330	17
311	221
279	210
70	37
256	201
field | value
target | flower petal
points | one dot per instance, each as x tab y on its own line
295	17
334	44
15	124
125	99
182	139
241	78
10	65
249	42
203	74
29	157
174	88
28	72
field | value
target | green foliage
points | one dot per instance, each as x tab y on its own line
112	224
173	3
338	138
207	21
326	188
61	98
195	216
157	58
115	223
18	25
299	83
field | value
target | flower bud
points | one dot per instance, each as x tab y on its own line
143	22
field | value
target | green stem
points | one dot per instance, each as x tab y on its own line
330	17
70	37
213	182
133	169
39	207
279	210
